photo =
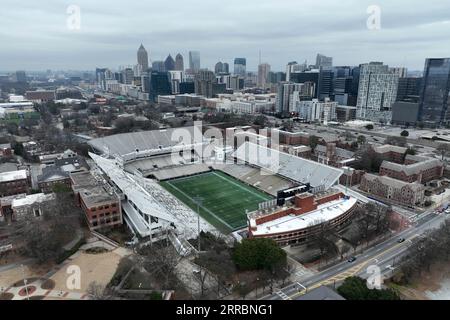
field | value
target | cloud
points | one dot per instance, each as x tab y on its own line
36	37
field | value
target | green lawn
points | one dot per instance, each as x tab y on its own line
225	199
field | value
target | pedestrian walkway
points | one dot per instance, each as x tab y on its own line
34	290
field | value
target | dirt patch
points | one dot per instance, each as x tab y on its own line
93	267
48	284
6	296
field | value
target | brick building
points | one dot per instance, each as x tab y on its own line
333	156
14	182
97	199
351	176
296	223
6	150
405	193
423	171
390	153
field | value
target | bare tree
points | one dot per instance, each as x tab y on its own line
161	261
97	291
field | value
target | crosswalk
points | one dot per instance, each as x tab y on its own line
283	295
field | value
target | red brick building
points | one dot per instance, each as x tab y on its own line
390	153
424	171
99	202
6	150
14	182
405	193
296	223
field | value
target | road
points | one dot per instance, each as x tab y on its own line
384	255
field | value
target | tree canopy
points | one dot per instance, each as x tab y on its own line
355	288
258	254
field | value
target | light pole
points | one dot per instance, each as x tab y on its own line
198	200
25	281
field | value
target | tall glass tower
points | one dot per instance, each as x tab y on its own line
434	93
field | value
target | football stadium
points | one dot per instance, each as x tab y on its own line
167	185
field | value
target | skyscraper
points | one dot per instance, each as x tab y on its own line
21	76
285	91
434	92
294	67
218	68
158	66
159	85
169	64
377	92
325	82
408	87
226	67
194	61
323	61
179	62
142	58
240	65
128	75
263	74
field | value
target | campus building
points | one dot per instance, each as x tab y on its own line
292	224
422	171
405	193
99	202
14	182
390	153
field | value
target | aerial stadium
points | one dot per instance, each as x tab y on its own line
172	187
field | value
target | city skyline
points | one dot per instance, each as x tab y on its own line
107	38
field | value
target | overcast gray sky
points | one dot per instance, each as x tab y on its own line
34	34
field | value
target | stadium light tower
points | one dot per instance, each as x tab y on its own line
198	201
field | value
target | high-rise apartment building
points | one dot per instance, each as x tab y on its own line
377	92
285	91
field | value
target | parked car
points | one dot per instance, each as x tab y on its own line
351	259
401	240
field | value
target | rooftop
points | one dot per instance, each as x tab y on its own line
394	183
31	199
13	175
324	212
411	169
289	166
127	143
321	293
389	148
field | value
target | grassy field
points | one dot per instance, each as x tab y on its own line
225	199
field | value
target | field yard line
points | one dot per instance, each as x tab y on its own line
206	209
207	173
241	187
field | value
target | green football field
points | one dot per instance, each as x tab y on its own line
224	199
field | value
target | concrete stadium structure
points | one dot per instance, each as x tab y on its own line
134	163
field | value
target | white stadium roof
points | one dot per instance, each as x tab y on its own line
138	195
289	166
127	143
